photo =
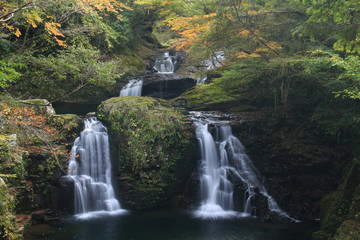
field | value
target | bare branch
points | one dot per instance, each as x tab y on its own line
252	32
11	14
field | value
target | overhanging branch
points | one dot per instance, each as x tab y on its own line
6	17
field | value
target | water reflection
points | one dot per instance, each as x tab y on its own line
168	225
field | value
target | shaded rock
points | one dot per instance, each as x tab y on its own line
340	211
66	194
167	89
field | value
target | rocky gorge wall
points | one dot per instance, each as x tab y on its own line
33	154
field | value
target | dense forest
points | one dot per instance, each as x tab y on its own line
289	67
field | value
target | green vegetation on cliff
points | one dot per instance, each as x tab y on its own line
33	149
153	147
68	50
340	211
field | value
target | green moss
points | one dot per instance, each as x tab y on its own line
131	63
340	210
11	161
349	230
212	95
7	209
67	124
41	106
153	147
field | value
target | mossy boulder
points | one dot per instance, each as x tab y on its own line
68	125
41	106
340	211
153	149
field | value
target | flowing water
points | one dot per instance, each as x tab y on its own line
220	157
132	89
165	64
216	60
90	168
98	211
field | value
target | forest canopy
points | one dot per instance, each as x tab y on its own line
39	33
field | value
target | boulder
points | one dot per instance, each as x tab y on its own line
152	146
41	106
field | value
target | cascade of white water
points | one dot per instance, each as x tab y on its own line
165	64
132	89
220	157
90	168
216	60
215	189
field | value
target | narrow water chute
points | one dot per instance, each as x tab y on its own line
90	168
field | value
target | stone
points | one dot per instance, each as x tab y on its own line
41	106
153	147
66	194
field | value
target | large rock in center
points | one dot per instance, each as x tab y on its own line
152	146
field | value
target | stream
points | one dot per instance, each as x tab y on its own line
203	223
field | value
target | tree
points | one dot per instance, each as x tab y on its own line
239	28
21	18
337	22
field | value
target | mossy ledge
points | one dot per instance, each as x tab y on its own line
340	211
152	146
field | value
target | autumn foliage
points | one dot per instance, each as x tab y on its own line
37	13
38	135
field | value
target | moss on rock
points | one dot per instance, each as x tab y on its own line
340	211
68	125
41	106
7	219
153	147
12	176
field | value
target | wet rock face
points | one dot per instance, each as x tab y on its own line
66	194
298	172
152	149
167	89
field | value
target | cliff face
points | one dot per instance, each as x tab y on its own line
298	168
33	156
340	210
153	149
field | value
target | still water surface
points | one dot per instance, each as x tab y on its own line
168	225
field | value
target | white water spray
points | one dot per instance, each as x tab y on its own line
132	89
220	157
90	168
165	64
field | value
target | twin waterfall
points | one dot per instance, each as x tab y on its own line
224	165
90	168
221	158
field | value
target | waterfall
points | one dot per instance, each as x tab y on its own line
216	60
165	64
132	89
90	168
219	158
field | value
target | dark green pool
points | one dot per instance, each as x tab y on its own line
167	225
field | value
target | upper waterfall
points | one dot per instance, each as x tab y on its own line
165	63
90	168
